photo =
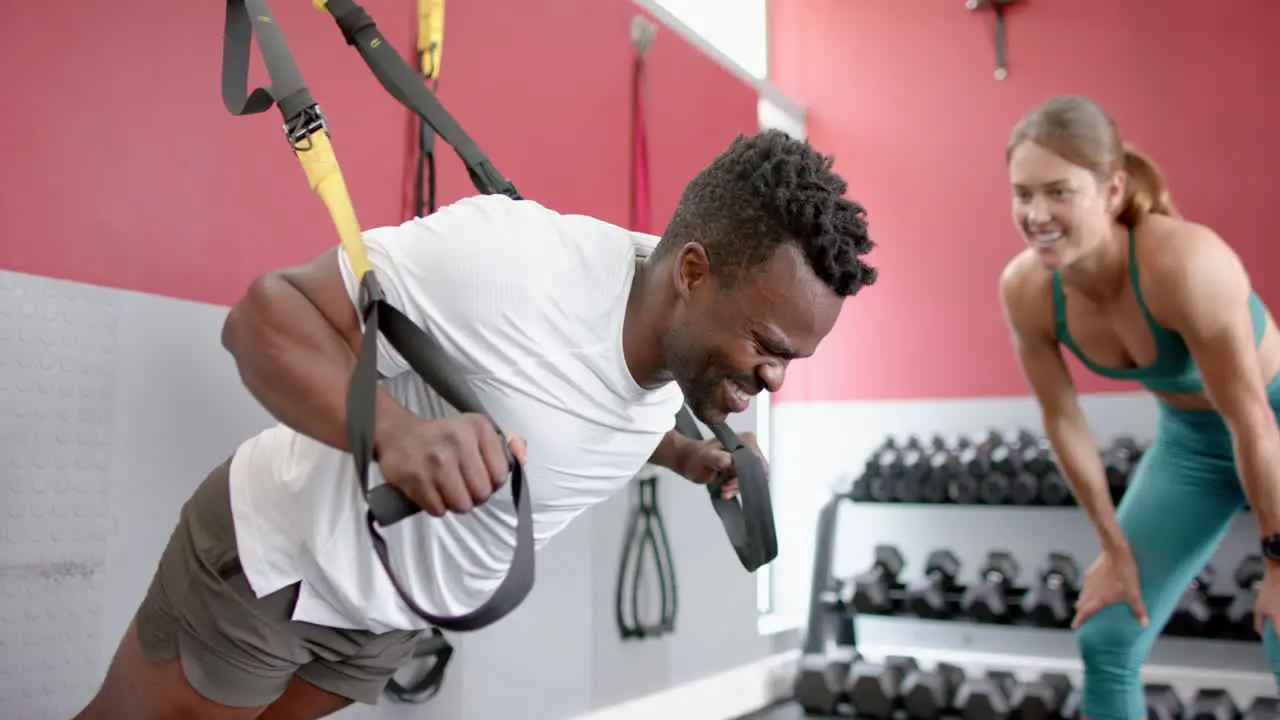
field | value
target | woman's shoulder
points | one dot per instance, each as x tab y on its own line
1179	260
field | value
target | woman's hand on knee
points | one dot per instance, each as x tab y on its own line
1267	606
1111	579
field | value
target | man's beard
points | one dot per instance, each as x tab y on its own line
701	397
699	391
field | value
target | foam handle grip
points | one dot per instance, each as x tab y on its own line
389	506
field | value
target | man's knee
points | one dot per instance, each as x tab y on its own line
1113	646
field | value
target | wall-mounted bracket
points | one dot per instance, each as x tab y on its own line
999	7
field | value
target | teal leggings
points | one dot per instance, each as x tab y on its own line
1183	497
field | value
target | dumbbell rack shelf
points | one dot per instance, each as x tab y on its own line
832	632
899	606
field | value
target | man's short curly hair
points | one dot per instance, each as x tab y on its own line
763	191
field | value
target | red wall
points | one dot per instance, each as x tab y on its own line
122	167
902	93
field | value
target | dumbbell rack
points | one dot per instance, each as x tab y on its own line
833	623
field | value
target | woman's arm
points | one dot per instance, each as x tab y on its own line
1202	292
1031	328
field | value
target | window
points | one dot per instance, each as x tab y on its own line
737	29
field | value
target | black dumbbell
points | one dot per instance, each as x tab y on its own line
906	486
963	489
1162	702
973	460
872	688
1036	456
988	599
883	457
1194	612
1054	489
1120	460
933	598
1041	699
990	439
1004	460
883	467
934	489
943	466
986	698
1070	709
860	488
927	694
872	589
1248	576
1024	489
820	679
1263	708
1021	438
1051	601
993	488
1213	704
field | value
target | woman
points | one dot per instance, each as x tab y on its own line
1112	273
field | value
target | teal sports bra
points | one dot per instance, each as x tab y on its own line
1174	370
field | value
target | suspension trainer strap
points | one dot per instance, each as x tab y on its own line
440	652
429	39
645	528
405	85
749	525
307	133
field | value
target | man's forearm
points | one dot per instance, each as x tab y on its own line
295	363
1258	456
672	451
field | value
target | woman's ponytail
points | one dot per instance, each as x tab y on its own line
1145	192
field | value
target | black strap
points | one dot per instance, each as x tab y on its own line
645	529
405	85
749	525
304	123
432	646
424	179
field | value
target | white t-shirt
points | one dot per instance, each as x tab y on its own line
530	303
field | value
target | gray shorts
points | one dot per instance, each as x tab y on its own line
238	649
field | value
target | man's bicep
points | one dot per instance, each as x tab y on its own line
322	282
332	286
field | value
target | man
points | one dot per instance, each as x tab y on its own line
269	601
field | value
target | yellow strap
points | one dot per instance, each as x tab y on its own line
430	35
321	166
